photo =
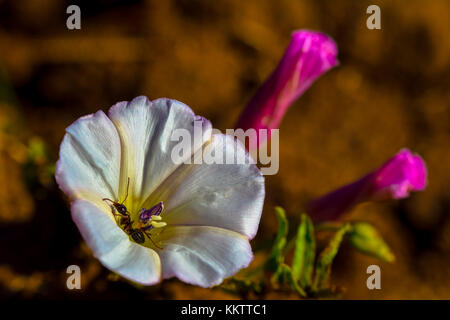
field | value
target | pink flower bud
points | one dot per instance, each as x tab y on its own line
308	56
401	174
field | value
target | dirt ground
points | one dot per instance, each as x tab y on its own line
390	91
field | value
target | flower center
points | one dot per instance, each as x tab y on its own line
146	226
140	229
143	228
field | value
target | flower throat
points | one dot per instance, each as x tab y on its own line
148	219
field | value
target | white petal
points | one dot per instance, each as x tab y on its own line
203	256
145	130
229	196
113	247
89	159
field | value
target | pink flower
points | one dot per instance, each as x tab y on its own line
308	56
401	174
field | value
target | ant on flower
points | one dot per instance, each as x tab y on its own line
144	216
124	215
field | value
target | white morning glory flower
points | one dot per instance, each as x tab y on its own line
146	217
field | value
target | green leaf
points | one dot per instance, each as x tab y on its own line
305	253
366	239
326	257
284	276
289	278
277	254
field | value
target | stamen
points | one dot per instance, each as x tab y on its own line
158	224
156	218
145	215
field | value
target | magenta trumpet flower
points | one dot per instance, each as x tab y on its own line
403	173
309	55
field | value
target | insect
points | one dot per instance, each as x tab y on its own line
137	234
124	215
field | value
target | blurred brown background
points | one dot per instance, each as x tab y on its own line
389	92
